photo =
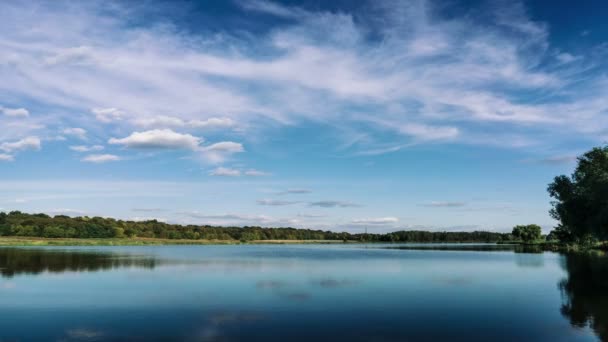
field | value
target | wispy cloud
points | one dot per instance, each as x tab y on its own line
82	148
333	204
224	171
295	191
101	158
426	78
554	160
29	143
76	132
376	221
275	203
14	112
444	204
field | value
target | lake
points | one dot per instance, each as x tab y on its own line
300	293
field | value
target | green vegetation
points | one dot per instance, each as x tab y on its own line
528	233
42	229
581	201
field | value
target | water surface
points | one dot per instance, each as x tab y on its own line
305	292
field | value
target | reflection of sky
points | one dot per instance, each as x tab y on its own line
328	287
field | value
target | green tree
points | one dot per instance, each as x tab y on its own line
581	200
527	233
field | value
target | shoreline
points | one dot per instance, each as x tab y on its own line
16	241
20	241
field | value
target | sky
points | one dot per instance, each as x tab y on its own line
339	115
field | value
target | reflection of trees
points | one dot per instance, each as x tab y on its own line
15	261
586	292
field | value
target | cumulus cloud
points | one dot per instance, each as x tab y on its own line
158	139
14	112
77	132
101	158
29	143
83	148
333	204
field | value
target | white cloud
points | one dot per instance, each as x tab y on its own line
107	115
275	203
77	132
6	157
29	143
241	219
376	221
160	121
295	191
163	121
74	55
220	152
427	78
272	8
65	211
101	158
213	123
333	204
565	57
158	139
444	204
224	171
256	173
82	148
15	112
225	147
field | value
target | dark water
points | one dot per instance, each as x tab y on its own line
301	293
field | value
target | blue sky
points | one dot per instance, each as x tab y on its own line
341	115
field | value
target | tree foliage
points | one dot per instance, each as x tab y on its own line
527	233
581	200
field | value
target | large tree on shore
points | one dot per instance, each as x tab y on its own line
581	201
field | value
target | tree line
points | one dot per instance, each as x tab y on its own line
17	223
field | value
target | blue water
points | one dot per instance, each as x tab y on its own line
303	292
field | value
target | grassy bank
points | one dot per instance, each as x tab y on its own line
35	241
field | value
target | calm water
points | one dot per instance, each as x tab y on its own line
287	293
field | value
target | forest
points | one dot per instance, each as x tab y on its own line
16	223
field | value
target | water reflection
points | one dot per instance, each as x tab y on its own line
486	247
16	261
302	293
585	292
